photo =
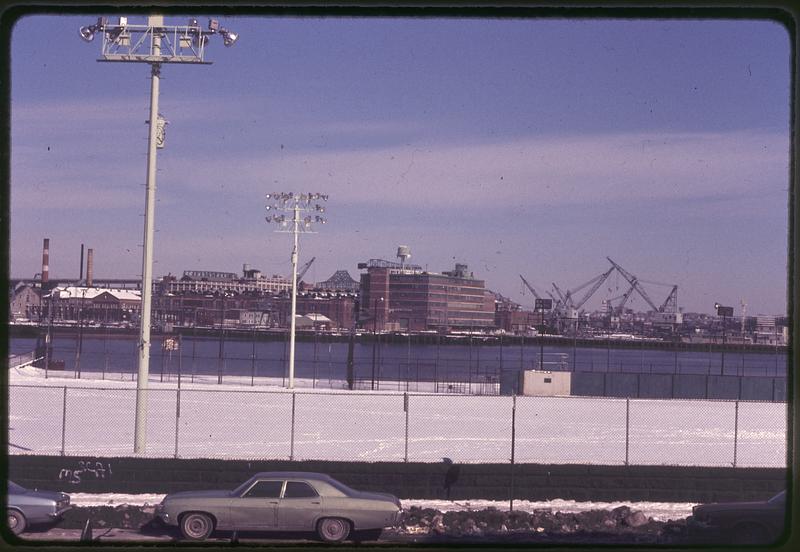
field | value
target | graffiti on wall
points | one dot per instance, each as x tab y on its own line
86	470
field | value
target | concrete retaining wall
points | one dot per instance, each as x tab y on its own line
407	480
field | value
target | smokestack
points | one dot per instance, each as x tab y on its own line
46	261
80	278
89	267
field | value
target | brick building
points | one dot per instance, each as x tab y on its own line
395	297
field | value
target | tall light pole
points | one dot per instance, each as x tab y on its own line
153	43
294	204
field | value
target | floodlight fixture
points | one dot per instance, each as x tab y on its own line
228	38
294	203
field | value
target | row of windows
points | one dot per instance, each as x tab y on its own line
272	489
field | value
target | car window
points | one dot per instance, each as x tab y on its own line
298	489
265	489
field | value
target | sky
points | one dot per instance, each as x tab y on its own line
516	146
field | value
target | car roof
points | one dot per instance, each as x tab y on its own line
294	475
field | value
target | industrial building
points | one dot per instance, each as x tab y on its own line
100	305
208	281
396	296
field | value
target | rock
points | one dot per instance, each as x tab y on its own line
621	512
636	519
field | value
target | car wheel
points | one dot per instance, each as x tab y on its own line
196	526
16	521
333	529
750	533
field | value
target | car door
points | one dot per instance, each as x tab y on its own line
257	506
300	507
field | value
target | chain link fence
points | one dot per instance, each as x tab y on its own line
380	426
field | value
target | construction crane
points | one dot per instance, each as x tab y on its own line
634	282
625	296
597	281
670	304
530	287
556	302
304	269
565	299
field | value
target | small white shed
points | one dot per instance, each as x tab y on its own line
544	383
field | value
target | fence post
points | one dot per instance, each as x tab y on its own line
513	446
735	431
627	429
64	423
291	446
177	417
405	407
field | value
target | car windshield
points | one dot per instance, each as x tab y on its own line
14	488
243	487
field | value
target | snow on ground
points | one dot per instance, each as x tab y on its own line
237	420
659	511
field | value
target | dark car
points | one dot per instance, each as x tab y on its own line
282	501
30	507
758	522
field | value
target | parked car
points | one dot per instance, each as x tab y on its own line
30	507
282	501
758	522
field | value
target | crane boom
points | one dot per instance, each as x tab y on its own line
304	269
634	281
566	298
599	282
671	301
625	297
530	287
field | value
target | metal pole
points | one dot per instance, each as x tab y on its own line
180	358
374	337
405	407
177	418
513	446
722	368
147	256
541	340
627	429
64	423
253	361
735	431
291	445
296	222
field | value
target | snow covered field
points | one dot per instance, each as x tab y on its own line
238	421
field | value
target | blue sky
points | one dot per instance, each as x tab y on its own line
534	147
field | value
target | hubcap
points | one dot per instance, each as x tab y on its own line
12	522
197	526
334	528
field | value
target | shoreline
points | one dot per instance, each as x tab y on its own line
248	335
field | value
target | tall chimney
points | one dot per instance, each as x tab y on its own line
89	267
80	278
46	261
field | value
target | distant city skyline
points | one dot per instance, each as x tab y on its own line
515	146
